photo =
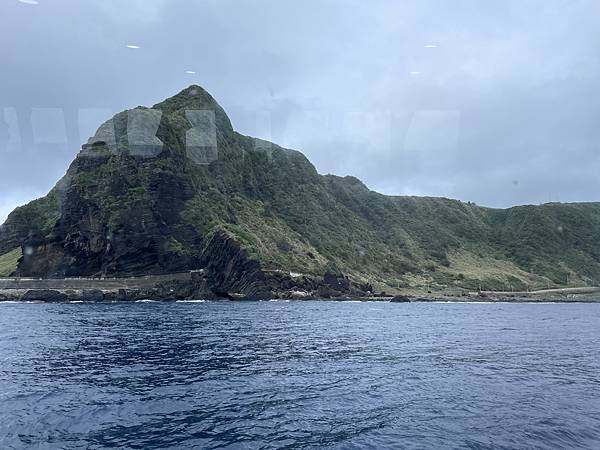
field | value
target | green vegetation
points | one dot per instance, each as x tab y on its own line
128	213
179	248
36	218
8	262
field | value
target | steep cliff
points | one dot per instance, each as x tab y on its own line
174	187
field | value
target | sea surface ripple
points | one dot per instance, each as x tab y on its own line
299	375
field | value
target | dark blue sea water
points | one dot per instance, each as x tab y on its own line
299	375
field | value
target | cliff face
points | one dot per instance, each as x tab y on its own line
174	187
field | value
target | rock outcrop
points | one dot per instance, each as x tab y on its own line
174	188
45	295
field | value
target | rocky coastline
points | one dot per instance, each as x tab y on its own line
243	280
327	289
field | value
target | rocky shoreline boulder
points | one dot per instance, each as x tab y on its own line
44	295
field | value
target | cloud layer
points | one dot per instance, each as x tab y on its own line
492	102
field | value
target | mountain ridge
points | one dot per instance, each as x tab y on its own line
175	187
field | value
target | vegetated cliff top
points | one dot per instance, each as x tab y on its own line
149	192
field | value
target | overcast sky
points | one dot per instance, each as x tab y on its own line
495	102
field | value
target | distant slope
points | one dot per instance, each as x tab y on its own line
176	196
9	261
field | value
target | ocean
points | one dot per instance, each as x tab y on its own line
297	374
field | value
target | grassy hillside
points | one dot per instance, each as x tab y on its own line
8	262
119	211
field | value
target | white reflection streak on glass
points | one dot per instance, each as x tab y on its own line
142	125
201	139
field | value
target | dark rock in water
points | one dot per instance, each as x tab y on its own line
44	295
400	299
11	296
115	296
92	295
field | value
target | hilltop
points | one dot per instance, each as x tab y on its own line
174	188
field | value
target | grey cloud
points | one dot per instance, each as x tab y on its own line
503	112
